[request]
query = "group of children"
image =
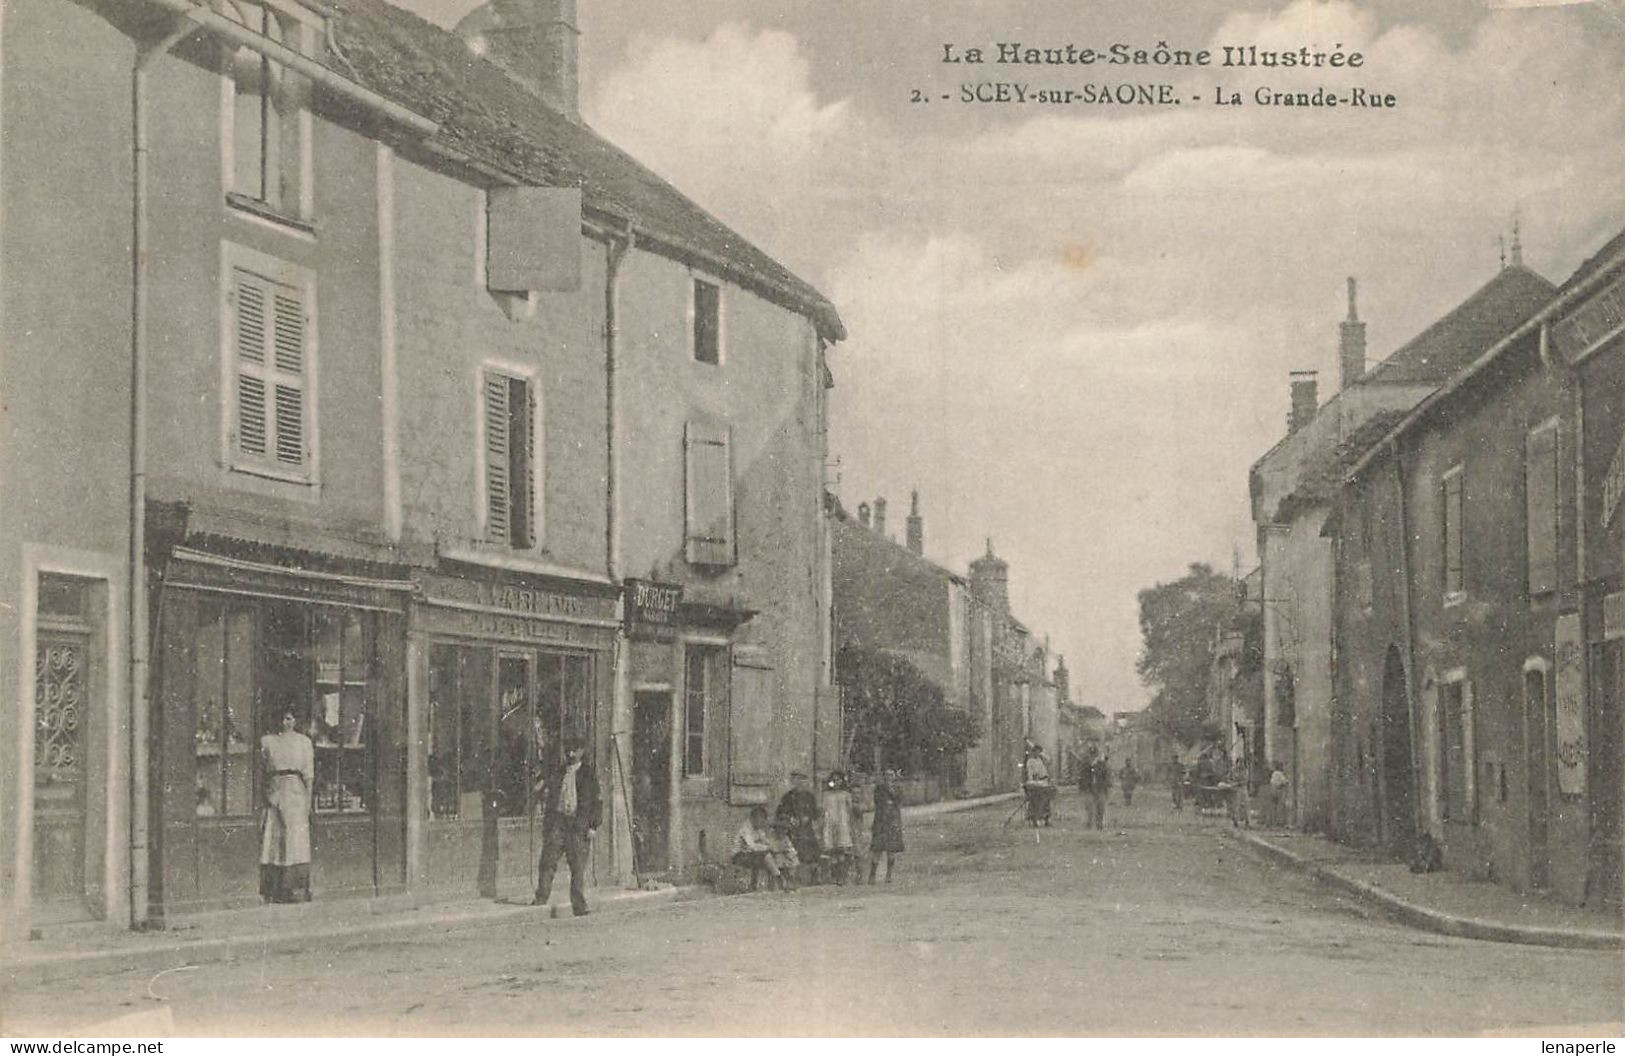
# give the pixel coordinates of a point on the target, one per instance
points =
(819, 832)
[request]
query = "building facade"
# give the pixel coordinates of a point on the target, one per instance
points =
(436, 421)
(1293, 487)
(1476, 556)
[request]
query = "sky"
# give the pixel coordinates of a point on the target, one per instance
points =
(1071, 326)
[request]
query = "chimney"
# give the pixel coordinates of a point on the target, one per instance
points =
(990, 581)
(880, 517)
(535, 42)
(1351, 344)
(863, 514)
(1304, 401)
(916, 524)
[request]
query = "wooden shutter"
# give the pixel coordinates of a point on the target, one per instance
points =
(1454, 579)
(750, 724)
(498, 489)
(521, 463)
(270, 324)
(1540, 509)
(708, 462)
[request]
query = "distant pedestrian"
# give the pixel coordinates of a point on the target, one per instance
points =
(1277, 796)
(886, 832)
(1037, 787)
(1100, 783)
(1240, 803)
(1177, 780)
(1129, 778)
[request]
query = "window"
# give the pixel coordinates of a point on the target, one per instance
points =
(255, 660)
(268, 133)
(269, 325)
(1456, 756)
(1540, 508)
(457, 736)
(1454, 580)
(704, 679)
(708, 505)
(707, 322)
(510, 460)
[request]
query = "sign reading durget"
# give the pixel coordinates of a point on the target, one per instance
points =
(651, 607)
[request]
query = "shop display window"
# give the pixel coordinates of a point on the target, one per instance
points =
(225, 698)
(339, 719)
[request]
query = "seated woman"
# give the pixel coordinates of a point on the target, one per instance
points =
(756, 849)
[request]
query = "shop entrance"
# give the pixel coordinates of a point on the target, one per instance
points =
(1535, 768)
(651, 781)
(61, 726)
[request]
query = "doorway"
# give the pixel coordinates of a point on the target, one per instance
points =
(1398, 781)
(651, 781)
(1534, 750)
(61, 737)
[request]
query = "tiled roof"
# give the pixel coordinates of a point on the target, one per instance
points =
(1596, 261)
(488, 116)
(1323, 476)
(1495, 310)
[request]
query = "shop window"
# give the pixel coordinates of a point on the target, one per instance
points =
(1540, 508)
(269, 313)
(707, 311)
(267, 139)
(1454, 577)
(708, 502)
(1456, 761)
(510, 460)
(225, 694)
(459, 695)
(339, 725)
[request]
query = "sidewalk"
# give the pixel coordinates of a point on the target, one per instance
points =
(1444, 902)
(91, 949)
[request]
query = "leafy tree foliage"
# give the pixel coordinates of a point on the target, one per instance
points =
(1177, 625)
(896, 718)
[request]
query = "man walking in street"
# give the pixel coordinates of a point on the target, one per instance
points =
(571, 813)
(1098, 780)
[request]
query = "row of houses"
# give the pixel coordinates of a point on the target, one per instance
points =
(347, 372)
(958, 632)
(1442, 587)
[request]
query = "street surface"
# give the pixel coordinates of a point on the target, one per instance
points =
(1158, 925)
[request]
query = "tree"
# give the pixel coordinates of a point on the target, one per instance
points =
(1177, 624)
(896, 717)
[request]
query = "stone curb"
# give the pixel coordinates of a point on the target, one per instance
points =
(1433, 919)
(175, 954)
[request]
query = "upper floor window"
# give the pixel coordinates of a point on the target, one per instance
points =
(1454, 578)
(267, 137)
(510, 464)
(269, 322)
(709, 499)
(1540, 507)
(707, 312)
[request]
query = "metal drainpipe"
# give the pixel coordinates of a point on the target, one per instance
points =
(620, 706)
(139, 644)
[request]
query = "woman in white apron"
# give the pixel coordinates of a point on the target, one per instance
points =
(288, 763)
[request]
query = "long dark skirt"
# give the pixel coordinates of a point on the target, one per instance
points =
(285, 883)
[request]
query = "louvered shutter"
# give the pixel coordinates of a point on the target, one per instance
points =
(498, 493)
(523, 470)
(270, 324)
(708, 499)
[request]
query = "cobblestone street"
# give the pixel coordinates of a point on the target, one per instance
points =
(1158, 925)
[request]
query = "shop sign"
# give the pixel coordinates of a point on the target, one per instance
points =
(521, 601)
(493, 625)
(651, 607)
(1570, 717)
(1598, 319)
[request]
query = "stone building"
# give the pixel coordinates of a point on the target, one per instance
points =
(1478, 585)
(1293, 487)
(362, 379)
